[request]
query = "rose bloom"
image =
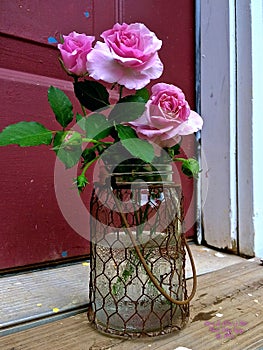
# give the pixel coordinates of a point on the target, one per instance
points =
(128, 56)
(167, 117)
(74, 52)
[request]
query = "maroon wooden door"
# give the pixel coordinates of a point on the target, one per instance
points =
(32, 228)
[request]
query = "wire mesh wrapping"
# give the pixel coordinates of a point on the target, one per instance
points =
(137, 244)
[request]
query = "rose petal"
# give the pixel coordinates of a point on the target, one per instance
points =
(74, 52)
(193, 124)
(131, 59)
(101, 64)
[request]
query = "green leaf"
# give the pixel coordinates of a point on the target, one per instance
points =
(67, 139)
(25, 134)
(125, 132)
(61, 106)
(68, 151)
(173, 151)
(137, 147)
(88, 154)
(143, 93)
(190, 167)
(127, 109)
(132, 98)
(97, 126)
(176, 149)
(91, 94)
(81, 121)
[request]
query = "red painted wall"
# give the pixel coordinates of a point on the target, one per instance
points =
(32, 228)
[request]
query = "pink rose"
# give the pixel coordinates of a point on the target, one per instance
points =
(74, 52)
(128, 56)
(167, 117)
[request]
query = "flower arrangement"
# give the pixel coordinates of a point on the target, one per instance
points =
(146, 126)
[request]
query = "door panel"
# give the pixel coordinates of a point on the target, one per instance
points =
(32, 227)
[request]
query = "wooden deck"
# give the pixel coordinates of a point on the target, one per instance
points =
(227, 313)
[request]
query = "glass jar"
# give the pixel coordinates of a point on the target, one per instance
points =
(137, 246)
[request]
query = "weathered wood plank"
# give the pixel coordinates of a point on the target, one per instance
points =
(235, 293)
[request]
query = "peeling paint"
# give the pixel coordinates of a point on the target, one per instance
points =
(52, 40)
(64, 254)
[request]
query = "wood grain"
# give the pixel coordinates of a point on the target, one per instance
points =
(234, 292)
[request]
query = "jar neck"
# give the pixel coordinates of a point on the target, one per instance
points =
(140, 173)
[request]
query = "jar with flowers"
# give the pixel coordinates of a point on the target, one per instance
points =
(133, 136)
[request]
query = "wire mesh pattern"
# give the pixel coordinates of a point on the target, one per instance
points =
(124, 300)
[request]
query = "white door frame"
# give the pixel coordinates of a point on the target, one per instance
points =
(232, 137)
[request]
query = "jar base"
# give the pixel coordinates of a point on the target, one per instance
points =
(132, 330)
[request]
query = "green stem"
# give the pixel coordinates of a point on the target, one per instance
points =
(179, 159)
(76, 78)
(96, 142)
(66, 70)
(83, 110)
(120, 91)
(88, 165)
